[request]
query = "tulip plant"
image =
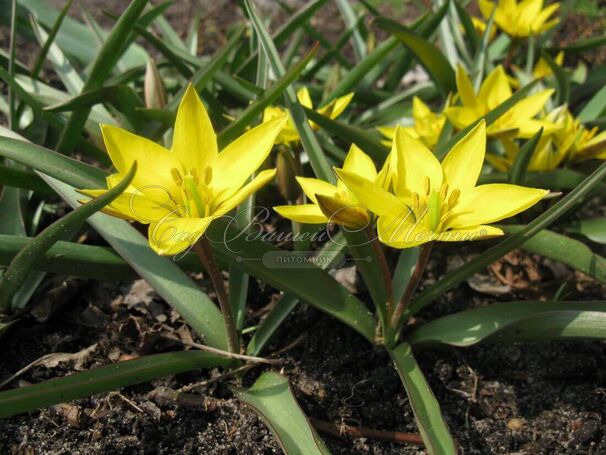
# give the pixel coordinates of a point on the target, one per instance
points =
(500, 148)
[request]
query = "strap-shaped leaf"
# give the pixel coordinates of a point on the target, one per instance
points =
(563, 249)
(479, 324)
(430, 57)
(20, 266)
(271, 398)
(102, 379)
(426, 408)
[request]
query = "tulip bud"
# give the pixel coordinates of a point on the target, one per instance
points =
(342, 212)
(286, 173)
(155, 95)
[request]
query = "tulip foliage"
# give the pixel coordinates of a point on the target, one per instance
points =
(455, 127)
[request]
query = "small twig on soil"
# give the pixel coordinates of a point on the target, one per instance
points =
(26, 368)
(163, 395)
(226, 354)
(361, 432)
(207, 382)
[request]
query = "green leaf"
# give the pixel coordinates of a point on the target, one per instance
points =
(426, 408)
(592, 228)
(470, 31)
(294, 22)
(430, 57)
(543, 320)
(103, 65)
(50, 39)
(72, 259)
(16, 273)
(358, 72)
(489, 118)
(271, 398)
(562, 82)
(582, 45)
(238, 126)
(10, 176)
(310, 143)
(367, 141)
(563, 249)
(255, 257)
(75, 39)
(517, 173)
(109, 377)
(407, 260)
(349, 16)
(595, 107)
(512, 242)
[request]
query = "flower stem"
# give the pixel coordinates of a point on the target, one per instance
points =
(513, 46)
(203, 251)
(412, 284)
(380, 253)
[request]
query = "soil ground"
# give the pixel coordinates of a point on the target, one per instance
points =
(531, 398)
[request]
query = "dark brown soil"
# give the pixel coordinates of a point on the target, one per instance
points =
(534, 398)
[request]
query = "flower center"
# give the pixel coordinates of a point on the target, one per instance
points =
(436, 205)
(198, 197)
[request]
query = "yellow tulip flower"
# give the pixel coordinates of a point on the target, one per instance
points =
(521, 19)
(480, 26)
(580, 142)
(336, 203)
(439, 201)
(542, 69)
(427, 125)
(518, 121)
(178, 192)
(290, 134)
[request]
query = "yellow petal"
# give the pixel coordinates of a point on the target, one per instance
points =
(416, 163)
(371, 196)
(305, 213)
(493, 202)
(236, 162)
(465, 89)
(172, 236)
(403, 231)
(154, 161)
(463, 163)
(388, 131)
(473, 233)
(304, 98)
(236, 198)
(311, 187)
(531, 105)
(500, 163)
(495, 89)
(343, 212)
(360, 163)
(461, 117)
(194, 139)
(336, 107)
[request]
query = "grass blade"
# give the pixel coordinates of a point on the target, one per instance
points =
(310, 143)
(102, 379)
(350, 19)
(517, 173)
(272, 400)
(430, 57)
(104, 63)
(426, 408)
(562, 82)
